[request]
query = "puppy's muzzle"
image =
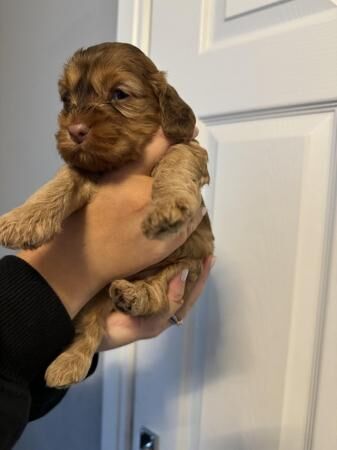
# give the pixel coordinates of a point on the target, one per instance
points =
(78, 132)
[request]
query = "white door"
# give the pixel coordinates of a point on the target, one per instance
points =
(255, 367)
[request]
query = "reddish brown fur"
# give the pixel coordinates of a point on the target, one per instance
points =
(119, 131)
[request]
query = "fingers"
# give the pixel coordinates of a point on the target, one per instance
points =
(122, 329)
(197, 289)
(178, 305)
(195, 133)
(156, 149)
(155, 326)
(193, 224)
(176, 291)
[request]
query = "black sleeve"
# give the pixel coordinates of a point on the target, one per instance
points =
(44, 398)
(34, 329)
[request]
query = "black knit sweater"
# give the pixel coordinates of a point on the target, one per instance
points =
(34, 329)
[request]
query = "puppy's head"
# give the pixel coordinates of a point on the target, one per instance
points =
(114, 99)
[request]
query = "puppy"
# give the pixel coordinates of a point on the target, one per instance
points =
(114, 100)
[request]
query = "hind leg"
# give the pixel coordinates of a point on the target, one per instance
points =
(149, 296)
(73, 364)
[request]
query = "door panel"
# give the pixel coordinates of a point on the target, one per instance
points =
(235, 8)
(244, 17)
(253, 67)
(253, 367)
(271, 210)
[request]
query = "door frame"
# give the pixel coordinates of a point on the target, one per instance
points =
(133, 26)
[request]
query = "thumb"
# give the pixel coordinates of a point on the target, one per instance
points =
(176, 291)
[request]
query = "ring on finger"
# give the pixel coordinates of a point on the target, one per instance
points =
(175, 321)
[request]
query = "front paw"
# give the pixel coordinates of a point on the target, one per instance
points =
(167, 217)
(24, 230)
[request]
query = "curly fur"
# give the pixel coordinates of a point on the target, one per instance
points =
(119, 127)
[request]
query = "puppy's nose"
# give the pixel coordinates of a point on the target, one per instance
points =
(78, 132)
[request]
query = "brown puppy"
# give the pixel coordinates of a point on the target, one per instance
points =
(115, 99)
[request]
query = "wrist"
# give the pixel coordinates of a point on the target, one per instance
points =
(65, 272)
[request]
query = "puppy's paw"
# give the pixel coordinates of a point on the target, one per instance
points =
(138, 298)
(135, 299)
(67, 369)
(12, 234)
(124, 296)
(22, 229)
(167, 217)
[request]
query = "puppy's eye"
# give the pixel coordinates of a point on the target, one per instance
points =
(65, 98)
(66, 101)
(118, 94)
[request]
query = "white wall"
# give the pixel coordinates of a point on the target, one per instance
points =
(36, 37)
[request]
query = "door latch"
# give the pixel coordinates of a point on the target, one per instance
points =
(148, 440)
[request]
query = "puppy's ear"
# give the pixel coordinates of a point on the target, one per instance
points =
(177, 118)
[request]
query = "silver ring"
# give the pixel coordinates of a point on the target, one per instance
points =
(175, 321)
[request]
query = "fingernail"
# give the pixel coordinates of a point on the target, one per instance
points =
(204, 210)
(184, 275)
(213, 261)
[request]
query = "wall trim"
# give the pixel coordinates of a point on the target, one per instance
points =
(134, 23)
(261, 114)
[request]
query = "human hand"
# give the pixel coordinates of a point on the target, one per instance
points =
(104, 241)
(122, 329)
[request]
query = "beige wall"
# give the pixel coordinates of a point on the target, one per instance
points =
(36, 37)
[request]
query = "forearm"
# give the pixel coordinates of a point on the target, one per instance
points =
(67, 267)
(14, 412)
(34, 325)
(34, 329)
(65, 272)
